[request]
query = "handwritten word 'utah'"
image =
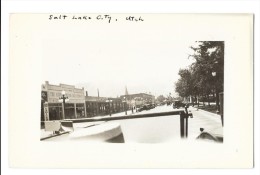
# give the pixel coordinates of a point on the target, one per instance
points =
(132, 18)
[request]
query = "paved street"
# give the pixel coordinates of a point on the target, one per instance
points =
(203, 119)
(157, 129)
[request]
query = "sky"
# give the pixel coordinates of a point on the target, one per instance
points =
(143, 57)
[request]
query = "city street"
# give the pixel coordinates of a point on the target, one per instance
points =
(156, 129)
(145, 90)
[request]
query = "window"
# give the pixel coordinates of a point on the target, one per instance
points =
(51, 94)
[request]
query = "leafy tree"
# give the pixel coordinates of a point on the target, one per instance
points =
(198, 79)
(209, 56)
(184, 84)
(160, 98)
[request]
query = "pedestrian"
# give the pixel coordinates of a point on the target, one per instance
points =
(132, 109)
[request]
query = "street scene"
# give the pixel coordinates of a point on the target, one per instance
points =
(120, 78)
(192, 109)
(130, 90)
(152, 130)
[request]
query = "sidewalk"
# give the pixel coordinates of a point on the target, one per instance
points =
(210, 108)
(203, 119)
(46, 133)
(209, 113)
(49, 134)
(154, 129)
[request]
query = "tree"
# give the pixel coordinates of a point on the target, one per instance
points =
(160, 98)
(198, 80)
(184, 84)
(209, 56)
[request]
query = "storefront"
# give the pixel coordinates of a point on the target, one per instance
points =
(53, 104)
(99, 106)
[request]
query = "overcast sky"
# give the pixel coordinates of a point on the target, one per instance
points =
(144, 57)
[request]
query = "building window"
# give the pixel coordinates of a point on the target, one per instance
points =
(51, 94)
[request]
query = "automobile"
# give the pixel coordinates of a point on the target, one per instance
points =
(215, 135)
(146, 107)
(150, 106)
(142, 108)
(178, 104)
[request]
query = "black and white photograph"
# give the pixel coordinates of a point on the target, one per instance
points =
(159, 89)
(143, 86)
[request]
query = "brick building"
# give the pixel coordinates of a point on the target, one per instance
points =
(52, 106)
(98, 106)
(80, 105)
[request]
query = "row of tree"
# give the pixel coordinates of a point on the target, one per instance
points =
(204, 78)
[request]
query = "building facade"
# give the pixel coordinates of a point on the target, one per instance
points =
(138, 100)
(98, 106)
(52, 105)
(79, 105)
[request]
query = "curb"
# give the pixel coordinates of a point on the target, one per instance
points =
(44, 138)
(216, 115)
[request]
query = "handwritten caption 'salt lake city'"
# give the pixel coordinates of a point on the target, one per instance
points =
(105, 18)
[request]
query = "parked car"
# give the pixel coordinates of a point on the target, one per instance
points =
(215, 135)
(177, 104)
(142, 108)
(146, 107)
(150, 106)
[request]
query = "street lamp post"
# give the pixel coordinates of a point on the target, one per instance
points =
(135, 108)
(135, 104)
(110, 104)
(63, 98)
(108, 101)
(214, 74)
(125, 106)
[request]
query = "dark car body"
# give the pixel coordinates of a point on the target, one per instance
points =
(146, 107)
(215, 135)
(178, 104)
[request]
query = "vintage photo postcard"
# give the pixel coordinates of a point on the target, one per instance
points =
(131, 90)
